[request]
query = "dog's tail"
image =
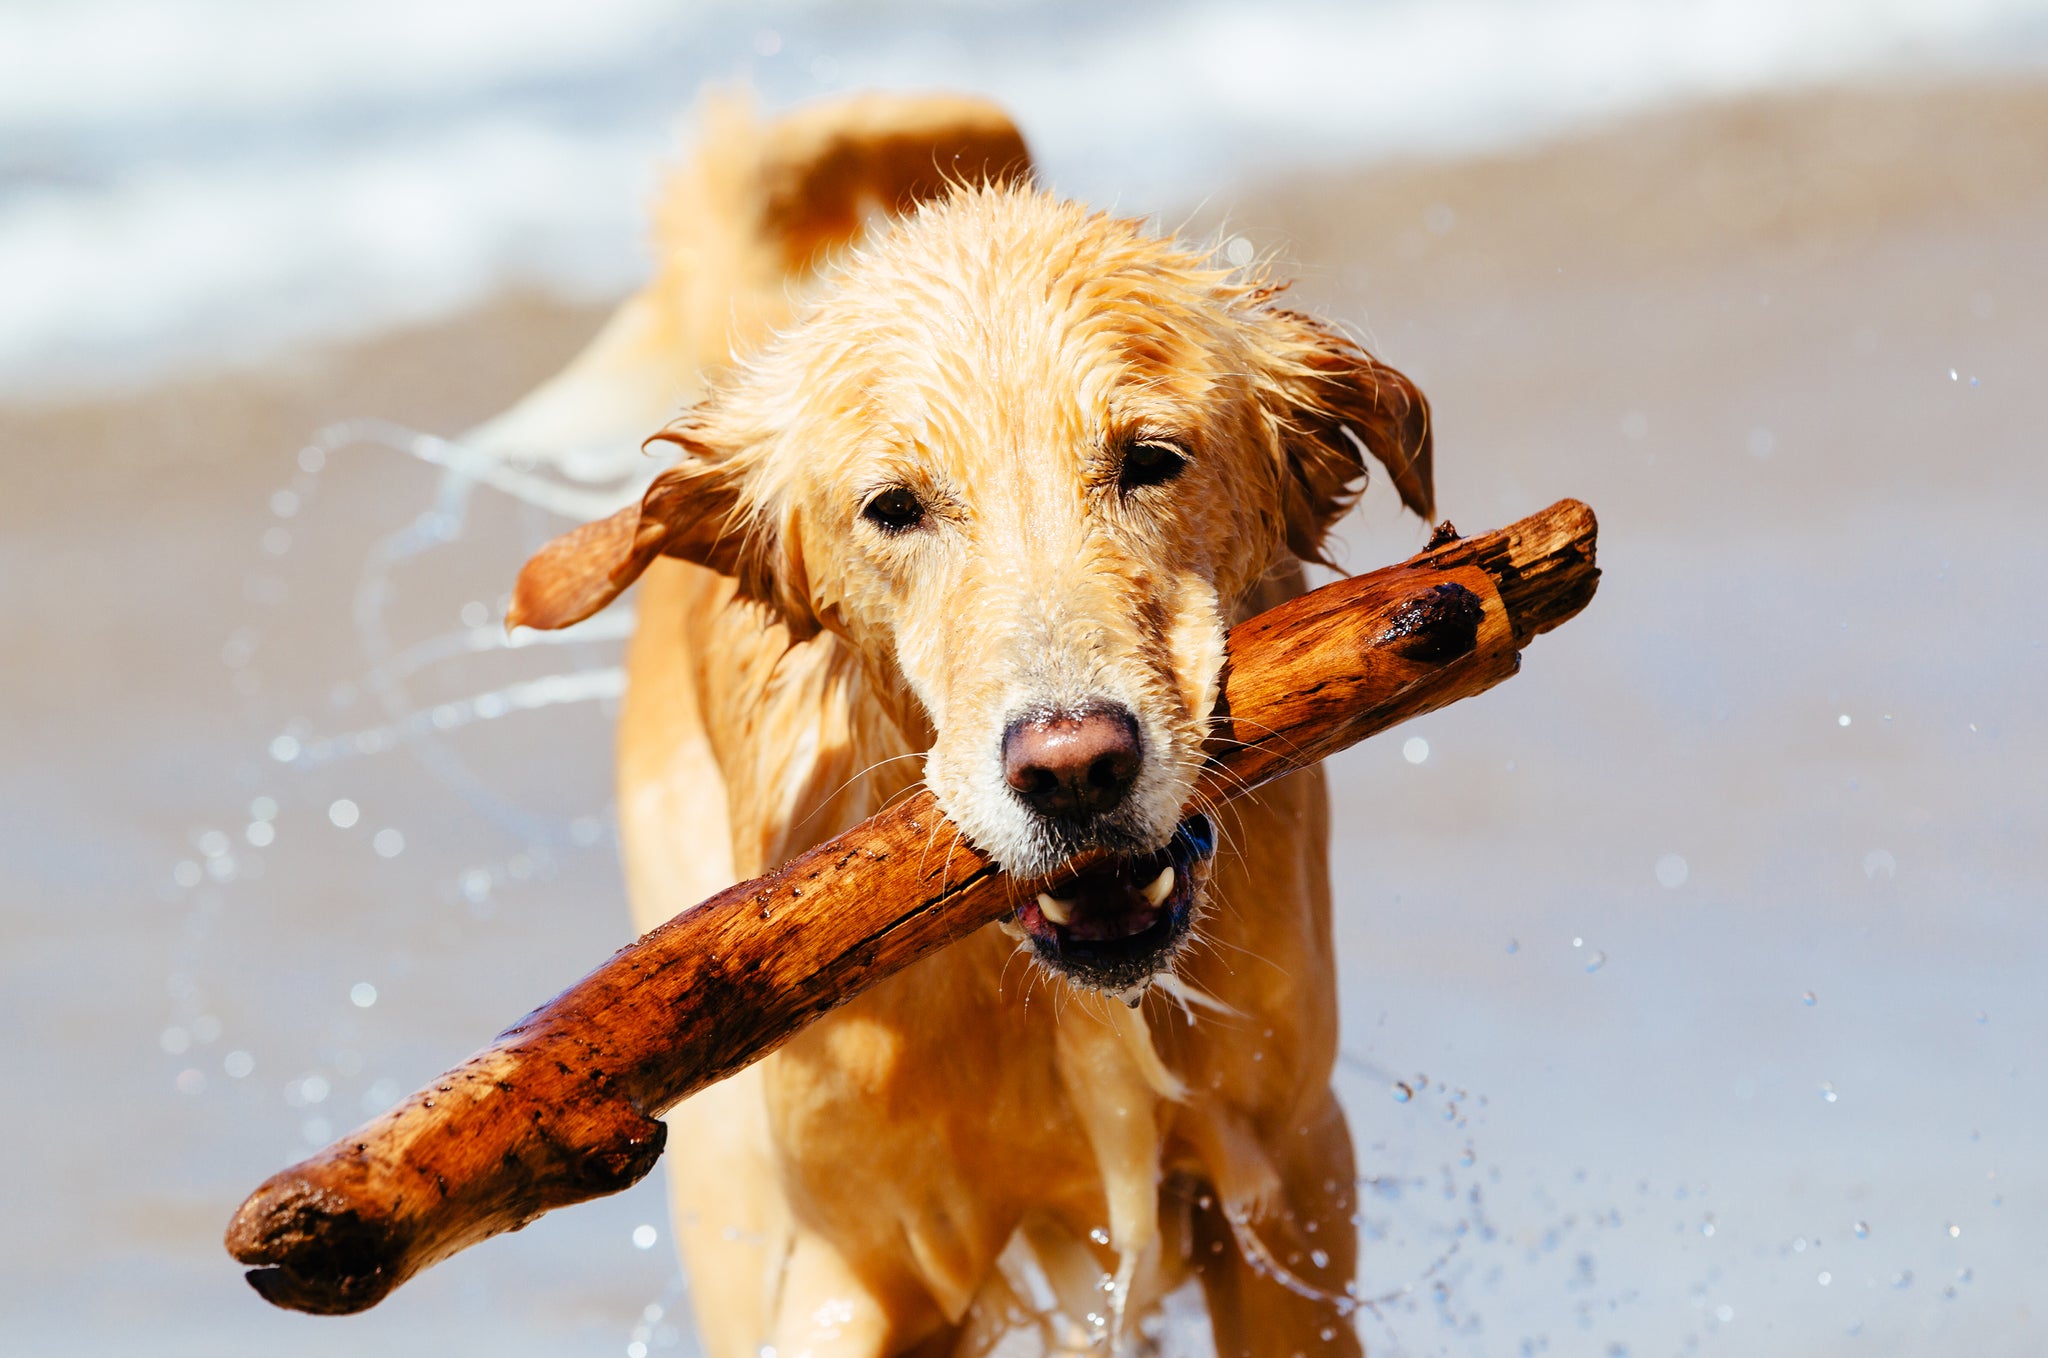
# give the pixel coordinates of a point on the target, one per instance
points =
(740, 229)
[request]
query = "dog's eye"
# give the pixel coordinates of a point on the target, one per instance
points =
(895, 510)
(1148, 464)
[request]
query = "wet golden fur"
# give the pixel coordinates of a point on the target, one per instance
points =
(926, 1167)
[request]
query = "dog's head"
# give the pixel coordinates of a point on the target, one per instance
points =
(1027, 461)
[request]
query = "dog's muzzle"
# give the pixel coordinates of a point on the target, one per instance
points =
(1117, 924)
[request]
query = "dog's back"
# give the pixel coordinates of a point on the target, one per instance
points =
(741, 229)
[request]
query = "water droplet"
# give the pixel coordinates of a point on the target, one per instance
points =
(191, 1081)
(1672, 871)
(1825, 1278)
(260, 834)
(188, 873)
(1842, 720)
(284, 749)
(1954, 1231)
(1402, 1093)
(362, 994)
(1514, 946)
(1099, 1235)
(389, 843)
(1862, 1230)
(343, 813)
(238, 1064)
(1596, 961)
(1879, 863)
(1903, 1280)
(174, 1041)
(1239, 251)
(1415, 749)
(1827, 1090)
(1808, 998)
(644, 1236)
(1319, 1258)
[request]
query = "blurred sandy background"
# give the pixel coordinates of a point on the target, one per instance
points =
(1712, 943)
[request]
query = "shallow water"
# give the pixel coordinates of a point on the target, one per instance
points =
(1783, 779)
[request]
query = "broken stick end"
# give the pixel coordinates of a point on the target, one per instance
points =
(315, 1250)
(323, 1245)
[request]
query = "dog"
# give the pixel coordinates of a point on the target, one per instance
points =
(974, 485)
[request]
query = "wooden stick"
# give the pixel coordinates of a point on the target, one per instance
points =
(564, 1105)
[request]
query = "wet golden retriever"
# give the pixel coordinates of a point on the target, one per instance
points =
(991, 479)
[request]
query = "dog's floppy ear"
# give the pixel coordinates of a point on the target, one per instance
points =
(1340, 404)
(693, 511)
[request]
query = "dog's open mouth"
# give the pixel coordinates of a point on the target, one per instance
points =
(1116, 924)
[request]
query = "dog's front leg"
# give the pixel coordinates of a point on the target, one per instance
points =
(829, 1310)
(731, 1218)
(1276, 1279)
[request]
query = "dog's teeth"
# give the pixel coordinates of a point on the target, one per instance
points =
(1161, 887)
(1010, 926)
(1055, 909)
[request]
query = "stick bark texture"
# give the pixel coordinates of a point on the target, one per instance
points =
(564, 1106)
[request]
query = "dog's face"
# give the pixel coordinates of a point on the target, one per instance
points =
(1026, 461)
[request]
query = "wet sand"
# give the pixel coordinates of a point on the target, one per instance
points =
(1592, 911)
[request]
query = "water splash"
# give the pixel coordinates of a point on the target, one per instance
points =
(573, 484)
(393, 666)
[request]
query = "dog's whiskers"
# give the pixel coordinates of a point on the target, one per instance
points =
(833, 795)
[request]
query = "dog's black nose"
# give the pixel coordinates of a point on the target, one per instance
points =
(1078, 765)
